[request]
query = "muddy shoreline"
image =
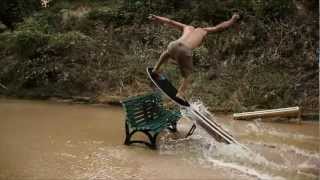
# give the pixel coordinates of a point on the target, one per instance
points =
(116, 101)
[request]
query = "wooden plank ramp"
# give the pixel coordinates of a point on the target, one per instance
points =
(281, 112)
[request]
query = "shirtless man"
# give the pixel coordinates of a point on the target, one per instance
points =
(180, 50)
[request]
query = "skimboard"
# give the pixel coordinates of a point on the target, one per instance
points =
(166, 87)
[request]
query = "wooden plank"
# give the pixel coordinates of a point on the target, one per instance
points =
(286, 112)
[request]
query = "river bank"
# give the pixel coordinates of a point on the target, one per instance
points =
(116, 101)
(100, 50)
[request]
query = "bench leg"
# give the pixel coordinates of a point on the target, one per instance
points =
(152, 138)
(128, 136)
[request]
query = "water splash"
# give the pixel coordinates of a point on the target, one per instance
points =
(257, 128)
(202, 148)
(245, 169)
(198, 105)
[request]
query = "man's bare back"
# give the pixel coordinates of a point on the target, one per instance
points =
(181, 49)
(192, 37)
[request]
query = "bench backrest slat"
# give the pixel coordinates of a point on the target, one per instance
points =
(140, 109)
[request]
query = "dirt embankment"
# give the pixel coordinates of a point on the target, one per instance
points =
(96, 51)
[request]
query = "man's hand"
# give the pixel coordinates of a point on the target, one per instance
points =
(152, 17)
(224, 25)
(235, 17)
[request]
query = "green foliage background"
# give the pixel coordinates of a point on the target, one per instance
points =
(101, 49)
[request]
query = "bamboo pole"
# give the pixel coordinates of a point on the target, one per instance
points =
(286, 112)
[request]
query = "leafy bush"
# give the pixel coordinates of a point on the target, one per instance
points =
(34, 24)
(108, 16)
(272, 9)
(73, 40)
(13, 11)
(28, 43)
(7, 40)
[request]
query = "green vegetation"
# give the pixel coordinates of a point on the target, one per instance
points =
(100, 49)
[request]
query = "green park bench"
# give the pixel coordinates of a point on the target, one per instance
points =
(147, 114)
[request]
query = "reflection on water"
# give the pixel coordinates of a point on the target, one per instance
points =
(46, 140)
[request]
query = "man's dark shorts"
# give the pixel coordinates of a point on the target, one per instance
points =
(183, 55)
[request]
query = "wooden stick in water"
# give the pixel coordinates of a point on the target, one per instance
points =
(291, 111)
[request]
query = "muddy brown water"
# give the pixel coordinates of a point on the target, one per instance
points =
(50, 140)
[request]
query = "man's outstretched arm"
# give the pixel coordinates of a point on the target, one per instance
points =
(224, 25)
(170, 22)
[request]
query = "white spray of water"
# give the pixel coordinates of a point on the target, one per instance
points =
(245, 169)
(257, 128)
(207, 150)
